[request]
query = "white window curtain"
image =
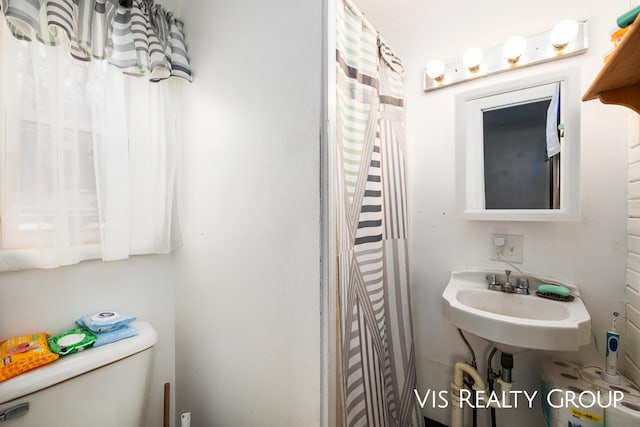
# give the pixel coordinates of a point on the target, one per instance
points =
(88, 159)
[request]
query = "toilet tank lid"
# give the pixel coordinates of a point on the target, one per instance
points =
(77, 364)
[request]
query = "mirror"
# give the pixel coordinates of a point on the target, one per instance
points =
(517, 150)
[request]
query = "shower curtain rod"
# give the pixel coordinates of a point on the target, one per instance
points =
(355, 9)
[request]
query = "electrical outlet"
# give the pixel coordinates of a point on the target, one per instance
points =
(511, 251)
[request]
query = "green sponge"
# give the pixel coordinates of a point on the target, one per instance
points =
(554, 289)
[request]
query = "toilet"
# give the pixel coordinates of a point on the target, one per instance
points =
(99, 387)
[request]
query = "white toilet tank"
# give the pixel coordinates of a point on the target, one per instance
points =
(99, 387)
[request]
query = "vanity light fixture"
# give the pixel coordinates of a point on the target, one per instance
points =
(566, 39)
(563, 33)
(514, 48)
(472, 58)
(435, 70)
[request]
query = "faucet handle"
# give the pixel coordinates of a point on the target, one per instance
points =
(522, 286)
(522, 283)
(494, 283)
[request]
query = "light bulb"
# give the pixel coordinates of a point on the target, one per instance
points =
(471, 59)
(563, 33)
(514, 48)
(435, 70)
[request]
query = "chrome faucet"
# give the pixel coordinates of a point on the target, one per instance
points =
(508, 287)
(521, 286)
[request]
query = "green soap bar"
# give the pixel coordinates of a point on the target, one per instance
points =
(554, 289)
(627, 18)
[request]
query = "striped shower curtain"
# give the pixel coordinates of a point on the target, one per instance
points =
(376, 355)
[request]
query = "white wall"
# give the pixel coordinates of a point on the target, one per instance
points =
(247, 299)
(51, 300)
(590, 253)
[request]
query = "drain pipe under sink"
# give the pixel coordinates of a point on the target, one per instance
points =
(457, 385)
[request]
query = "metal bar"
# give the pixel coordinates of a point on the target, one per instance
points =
(14, 412)
(356, 10)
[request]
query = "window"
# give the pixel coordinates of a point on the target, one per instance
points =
(47, 150)
(87, 159)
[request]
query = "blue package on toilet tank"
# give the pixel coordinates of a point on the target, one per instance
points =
(104, 321)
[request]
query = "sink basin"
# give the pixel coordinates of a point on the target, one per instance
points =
(515, 322)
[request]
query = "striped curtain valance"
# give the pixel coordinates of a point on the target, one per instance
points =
(138, 36)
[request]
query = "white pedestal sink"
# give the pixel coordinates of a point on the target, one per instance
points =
(515, 322)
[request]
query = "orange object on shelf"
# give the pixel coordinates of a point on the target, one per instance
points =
(618, 35)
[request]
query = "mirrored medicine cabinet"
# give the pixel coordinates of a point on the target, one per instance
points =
(518, 150)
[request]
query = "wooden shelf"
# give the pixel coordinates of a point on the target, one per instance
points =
(619, 79)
